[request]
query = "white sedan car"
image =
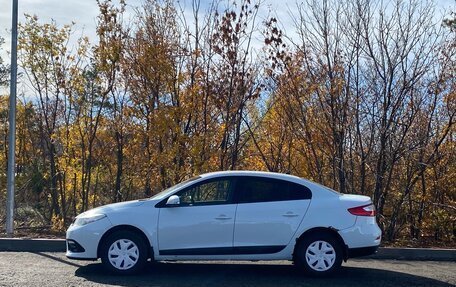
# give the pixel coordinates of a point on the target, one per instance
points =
(236, 215)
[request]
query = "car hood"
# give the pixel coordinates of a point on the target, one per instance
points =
(109, 208)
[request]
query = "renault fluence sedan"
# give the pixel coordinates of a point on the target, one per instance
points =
(236, 215)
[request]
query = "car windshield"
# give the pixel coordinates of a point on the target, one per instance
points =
(171, 189)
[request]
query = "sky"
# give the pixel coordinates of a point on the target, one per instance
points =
(84, 12)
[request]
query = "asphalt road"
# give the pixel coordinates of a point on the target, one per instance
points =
(53, 269)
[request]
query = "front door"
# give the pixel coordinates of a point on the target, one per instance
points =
(203, 222)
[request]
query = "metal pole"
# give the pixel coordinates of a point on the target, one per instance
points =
(12, 127)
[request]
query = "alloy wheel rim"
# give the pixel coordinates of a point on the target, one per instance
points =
(123, 254)
(320, 255)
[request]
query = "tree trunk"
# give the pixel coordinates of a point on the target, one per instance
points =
(119, 167)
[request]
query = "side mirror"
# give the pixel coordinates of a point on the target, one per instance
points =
(173, 200)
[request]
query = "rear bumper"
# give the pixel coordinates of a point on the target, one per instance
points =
(362, 251)
(364, 234)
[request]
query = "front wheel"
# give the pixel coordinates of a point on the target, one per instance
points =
(124, 252)
(318, 254)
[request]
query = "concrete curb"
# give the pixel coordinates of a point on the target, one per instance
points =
(59, 245)
(415, 254)
(32, 245)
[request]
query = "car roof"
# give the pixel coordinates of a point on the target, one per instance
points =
(312, 185)
(251, 173)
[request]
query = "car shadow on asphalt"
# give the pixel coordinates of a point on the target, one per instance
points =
(56, 258)
(239, 274)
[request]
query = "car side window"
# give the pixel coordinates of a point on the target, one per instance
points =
(261, 189)
(298, 191)
(206, 193)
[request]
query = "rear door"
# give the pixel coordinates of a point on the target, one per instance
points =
(268, 214)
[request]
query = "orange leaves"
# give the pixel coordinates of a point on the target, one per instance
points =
(169, 95)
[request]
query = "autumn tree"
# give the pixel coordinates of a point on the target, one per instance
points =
(4, 70)
(45, 57)
(237, 77)
(100, 78)
(150, 72)
(361, 84)
(358, 95)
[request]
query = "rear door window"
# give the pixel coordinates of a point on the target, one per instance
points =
(263, 189)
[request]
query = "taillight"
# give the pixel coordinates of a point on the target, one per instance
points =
(365, 210)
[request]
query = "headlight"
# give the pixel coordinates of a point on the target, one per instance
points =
(86, 219)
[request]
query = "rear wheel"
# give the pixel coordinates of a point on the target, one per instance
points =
(124, 252)
(319, 254)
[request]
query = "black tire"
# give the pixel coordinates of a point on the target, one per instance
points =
(127, 240)
(315, 240)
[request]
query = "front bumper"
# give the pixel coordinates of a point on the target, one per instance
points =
(82, 241)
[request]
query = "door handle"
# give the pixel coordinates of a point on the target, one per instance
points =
(290, 214)
(222, 217)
